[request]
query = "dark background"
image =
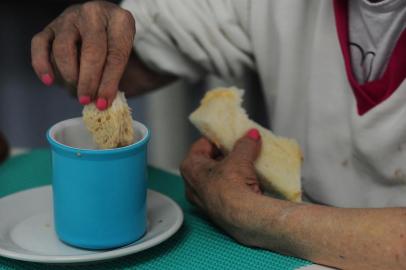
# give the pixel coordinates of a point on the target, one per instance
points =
(28, 108)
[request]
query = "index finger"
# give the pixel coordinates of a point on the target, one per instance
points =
(120, 37)
(198, 158)
(203, 147)
(40, 50)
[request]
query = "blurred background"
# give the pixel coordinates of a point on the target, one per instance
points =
(28, 108)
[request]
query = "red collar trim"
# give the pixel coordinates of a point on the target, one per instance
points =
(372, 93)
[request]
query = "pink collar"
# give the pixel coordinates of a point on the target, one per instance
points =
(372, 93)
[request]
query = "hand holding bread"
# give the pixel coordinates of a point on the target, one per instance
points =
(221, 119)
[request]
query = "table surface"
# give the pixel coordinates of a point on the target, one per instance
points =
(197, 245)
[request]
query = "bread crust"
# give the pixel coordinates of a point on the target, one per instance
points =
(221, 119)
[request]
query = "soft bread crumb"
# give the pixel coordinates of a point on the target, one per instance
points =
(221, 118)
(112, 127)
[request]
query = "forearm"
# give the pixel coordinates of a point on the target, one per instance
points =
(343, 238)
(138, 79)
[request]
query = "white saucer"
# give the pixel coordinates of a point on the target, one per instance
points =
(27, 232)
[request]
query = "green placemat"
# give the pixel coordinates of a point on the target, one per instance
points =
(197, 245)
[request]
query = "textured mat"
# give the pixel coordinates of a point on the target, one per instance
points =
(197, 245)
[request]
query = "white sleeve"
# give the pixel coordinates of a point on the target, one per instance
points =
(190, 38)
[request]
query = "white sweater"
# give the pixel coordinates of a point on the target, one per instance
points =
(351, 159)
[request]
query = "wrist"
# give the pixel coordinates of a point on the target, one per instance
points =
(264, 220)
(240, 216)
(245, 217)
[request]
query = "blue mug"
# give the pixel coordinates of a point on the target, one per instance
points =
(99, 196)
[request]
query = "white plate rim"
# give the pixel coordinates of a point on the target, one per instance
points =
(101, 256)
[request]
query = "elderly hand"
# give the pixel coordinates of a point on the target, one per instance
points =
(227, 190)
(88, 45)
(224, 187)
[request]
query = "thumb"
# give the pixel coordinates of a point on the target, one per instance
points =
(247, 148)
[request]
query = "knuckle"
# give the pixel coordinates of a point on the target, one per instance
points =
(36, 39)
(95, 37)
(65, 23)
(128, 17)
(41, 39)
(67, 18)
(117, 57)
(62, 49)
(122, 14)
(71, 10)
(128, 21)
(90, 8)
(58, 52)
(94, 54)
(132, 23)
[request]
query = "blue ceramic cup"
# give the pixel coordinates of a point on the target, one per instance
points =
(99, 196)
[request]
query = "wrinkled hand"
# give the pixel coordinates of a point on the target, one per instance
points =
(88, 46)
(224, 187)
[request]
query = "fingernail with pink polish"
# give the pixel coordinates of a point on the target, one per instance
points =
(254, 134)
(47, 79)
(101, 104)
(84, 100)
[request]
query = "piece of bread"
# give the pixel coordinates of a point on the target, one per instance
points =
(222, 120)
(112, 127)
